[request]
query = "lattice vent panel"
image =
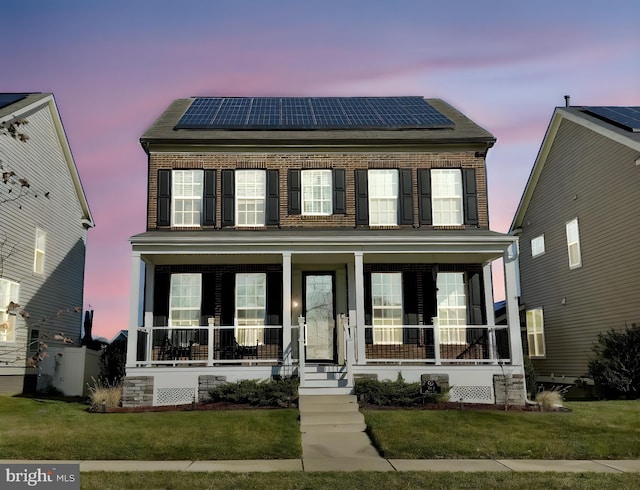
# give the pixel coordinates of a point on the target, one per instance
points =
(174, 396)
(471, 394)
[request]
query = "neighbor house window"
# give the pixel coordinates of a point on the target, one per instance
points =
(573, 244)
(386, 299)
(187, 197)
(38, 257)
(537, 246)
(383, 197)
(184, 300)
(251, 300)
(8, 293)
(535, 332)
(446, 196)
(250, 197)
(317, 188)
(452, 307)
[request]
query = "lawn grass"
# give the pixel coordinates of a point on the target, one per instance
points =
(47, 429)
(357, 480)
(592, 430)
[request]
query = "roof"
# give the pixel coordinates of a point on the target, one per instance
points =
(455, 127)
(606, 121)
(21, 106)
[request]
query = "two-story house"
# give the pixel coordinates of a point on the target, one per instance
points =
(44, 218)
(327, 238)
(576, 221)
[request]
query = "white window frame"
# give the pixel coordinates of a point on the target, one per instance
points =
(382, 191)
(39, 251)
(573, 244)
(250, 201)
(537, 246)
(386, 300)
(185, 296)
(446, 197)
(251, 307)
(452, 308)
(535, 333)
(9, 291)
(186, 198)
(317, 192)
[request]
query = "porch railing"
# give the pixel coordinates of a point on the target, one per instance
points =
(211, 345)
(470, 344)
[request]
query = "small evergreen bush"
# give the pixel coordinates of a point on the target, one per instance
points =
(396, 393)
(617, 364)
(269, 393)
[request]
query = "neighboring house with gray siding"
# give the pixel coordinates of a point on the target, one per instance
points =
(578, 221)
(42, 235)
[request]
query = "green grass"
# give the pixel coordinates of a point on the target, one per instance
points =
(47, 429)
(358, 480)
(592, 430)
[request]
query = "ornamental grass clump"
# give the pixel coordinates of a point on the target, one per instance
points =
(549, 400)
(105, 394)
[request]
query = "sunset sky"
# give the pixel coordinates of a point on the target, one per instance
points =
(115, 65)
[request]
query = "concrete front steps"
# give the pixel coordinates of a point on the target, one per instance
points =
(322, 413)
(325, 380)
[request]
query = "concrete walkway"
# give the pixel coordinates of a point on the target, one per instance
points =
(363, 463)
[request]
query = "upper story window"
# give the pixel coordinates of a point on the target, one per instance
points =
(184, 300)
(537, 246)
(187, 197)
(573, 244)
(446, 196)
(39, 251)
(386, 300)
(535, 332)
(452, 307)
(250, 197)
(316, 192)
(8, 293)
(383, 197)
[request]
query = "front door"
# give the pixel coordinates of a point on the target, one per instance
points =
(319, 313)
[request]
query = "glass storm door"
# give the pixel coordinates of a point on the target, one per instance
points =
(320, 318)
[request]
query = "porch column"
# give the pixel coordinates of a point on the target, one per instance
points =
(512, 309)
(360, 327)
(135, 295)
(286, 308)
(149, 282)
(488, 294)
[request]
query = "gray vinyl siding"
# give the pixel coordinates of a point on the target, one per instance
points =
(592, 178)
(60, 288)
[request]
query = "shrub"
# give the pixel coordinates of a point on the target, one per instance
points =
(396, 393)
(112, 361)
(617, 364)
(270, 393)
(103, 393)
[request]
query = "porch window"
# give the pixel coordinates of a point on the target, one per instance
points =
(8, 293)
(187, 197)
(383, 197)
(316, 192)
(38, 256)
(452, 308)
(535, 332)
(446, 196)
(184, 300)
(251, 188)
(386, 298)
(537, 246)
(251, 300)
(573, 244)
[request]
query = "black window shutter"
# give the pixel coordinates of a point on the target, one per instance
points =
(161, 288)
(476, 303)
(208, 301)
(272, 216)
(424, 196)
(339, 191)
(295, 191)
(228, 190)
(274, 308)
(470, 196)
(430, 293)
(405, 201)
(209, 198)
(368, 309)
(164, 197)
(410, 307)
(362, 198)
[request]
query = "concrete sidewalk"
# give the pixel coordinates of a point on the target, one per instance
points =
(361, 463)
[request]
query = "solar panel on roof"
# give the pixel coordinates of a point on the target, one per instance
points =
(625, 117)
(312, 113)
(8, 99)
